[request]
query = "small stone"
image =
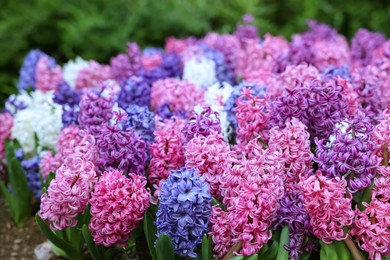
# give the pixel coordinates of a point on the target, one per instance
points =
(14, 254)
(15, 247)
(8, 225)
(43, 251)
(17, 241)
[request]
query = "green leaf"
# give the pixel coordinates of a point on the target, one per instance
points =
(205, 248)
(150, 231)
(330, 250)
(164, 248)
(342, 250)
(210, 246)
(252, 257)
(92, 247)
(305, 256)
(271, 253)
(237, 257)
(284, 240)
(58, 242)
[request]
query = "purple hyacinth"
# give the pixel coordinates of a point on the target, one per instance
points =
(292, 213)
(69, 115)
(94, 112)
(124, 66)
(367, 85)
(349, 153)
(31, 169)
(204, 123)
(134, 91)
(231, 106)
(170, 67)
(119, 149)
(363, 45)
(184, 210)
(319, 107)
(27, 71)
(334, 71)
(141, 120)
(165, 112)
(65, 95)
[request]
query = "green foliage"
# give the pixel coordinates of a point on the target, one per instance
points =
(100, 29)
(19, 198)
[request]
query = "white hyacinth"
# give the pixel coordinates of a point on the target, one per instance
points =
(22, 98)
(200, 71)
(215, 97)
(71, 70)
(41, 119)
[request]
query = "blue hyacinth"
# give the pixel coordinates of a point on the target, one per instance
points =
(184, 210)
(135, 91)
(31, 169)
(142, 121)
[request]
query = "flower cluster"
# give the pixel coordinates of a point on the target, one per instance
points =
(250, 117)
(184, 210)
(117, 206)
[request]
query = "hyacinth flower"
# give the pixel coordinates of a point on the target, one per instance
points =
(124, 66)
(230, 106)
(184, 210)
(142, 121)
(167, 152)
(171, 67)
(252, 117)
(71, 71)
(349, 153)
(48, 75)
(134, 91)
(94, 112)
(363, 45)
(328, 205)
(203, 123)
(90, 76)
(209, 156)
(293, 214)
(251, 194)
(118, 204)
(121, 149)
(180, 94)
(69, 192)
(294, 143)
(27, 72)
(200, 71)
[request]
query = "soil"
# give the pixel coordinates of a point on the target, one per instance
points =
(17, 243)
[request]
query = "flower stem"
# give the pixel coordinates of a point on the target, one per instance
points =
(386, 155)
(235, 247)
(353, 249)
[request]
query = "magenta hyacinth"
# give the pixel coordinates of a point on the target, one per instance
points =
(118, 205)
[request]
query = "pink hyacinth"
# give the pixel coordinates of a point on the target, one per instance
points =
(167, 152)
(69, 192)
(150, 62)
(381, 135)
(328, 205)
(299, 75)
(252, 203)
(47, 77)
(334, 52)
(118, 205)
(177, 46)
(179, 94)
(208, 155)
(7, 122)
(294, 141)
(252, 117)
(69, 138)
(351, 97)
(371, 228)
(91, 76)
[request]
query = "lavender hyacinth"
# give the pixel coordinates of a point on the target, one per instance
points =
(170, 68)
(136, 91)
(184, 210)
(334, 71)
(223, 72)
(142, 121)
(31, 167)
(291, 212)
(69, 115)
(350, 154)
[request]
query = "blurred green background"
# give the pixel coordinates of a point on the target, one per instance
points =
(100, 29)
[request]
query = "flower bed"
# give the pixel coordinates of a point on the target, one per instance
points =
(225, 146)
